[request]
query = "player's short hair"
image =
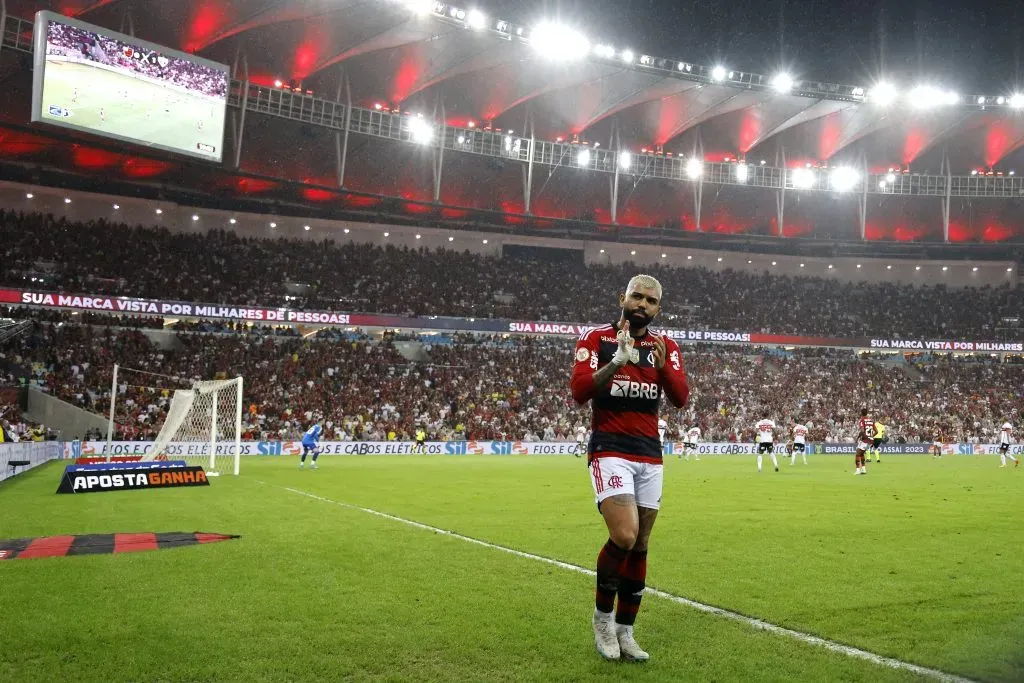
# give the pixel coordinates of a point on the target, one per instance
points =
(644, 281)
(863, 412)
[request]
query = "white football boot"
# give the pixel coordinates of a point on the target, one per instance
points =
(628, 649)
(604, 636)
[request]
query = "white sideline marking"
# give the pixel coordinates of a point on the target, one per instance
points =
(831, 645)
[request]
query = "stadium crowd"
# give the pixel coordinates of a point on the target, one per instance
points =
(508, 388)
(217, 267)
(71, 40)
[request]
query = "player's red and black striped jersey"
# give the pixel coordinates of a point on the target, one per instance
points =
(867, 428)
(625, 411)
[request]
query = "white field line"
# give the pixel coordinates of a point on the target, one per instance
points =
(831, 645)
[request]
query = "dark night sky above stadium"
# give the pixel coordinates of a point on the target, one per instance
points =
(971, 46)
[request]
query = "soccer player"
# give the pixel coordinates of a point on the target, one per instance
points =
(624, 370)
(766, 440)
(937, 442)
(662, 429)
(692, 440)
(421, 441)
(1004, 445)
(877, 441)
(581, 440)
(865, 435)
(799, 442)
(311, 444)
(74, 96)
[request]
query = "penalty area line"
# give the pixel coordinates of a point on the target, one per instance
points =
(758, 624)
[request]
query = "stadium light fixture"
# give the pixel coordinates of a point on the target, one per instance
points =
(559, 43)
(749, 261)
(305, 227)
(625, 160)
(718, 74)
(628, 56)
(378, 106)
(461, 139)
(273, 224)
(604, 51)
(830, 266)
(195, 217)
(803, 178)
(802, 265)
(1013, 173)
(232, 221)
(1017, 101)
(29, 195)
(471, 124)
(419, 236)
(694, 168)
(883, 94)
(719, 259)
(387, 234)
(159, 212)
(116, 207)
(278, 82)
(602, 251)
(775, 263)
(689, 258)
(844, 178)
(888, 267)
(67, 200)
(476, 19)
(1010, 269)
(783, 82)
(632, 252)
(583, 158)
(945, 268)
(742, 170)
(890, 177)
(421, 131)
(485, 241)
(347, 231)
(981, 100)
(917, 267)
(928, 97)
(664, 256)
(881, 185)
(451, 239)
(974, 269)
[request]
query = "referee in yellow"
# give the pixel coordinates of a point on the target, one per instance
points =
(876, 445)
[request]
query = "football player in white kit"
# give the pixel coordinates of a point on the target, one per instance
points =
(692, 440)
(581, 440)
(1004, 445)
(766, 441)
(799, 442)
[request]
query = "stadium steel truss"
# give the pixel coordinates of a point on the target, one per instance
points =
(631, 79)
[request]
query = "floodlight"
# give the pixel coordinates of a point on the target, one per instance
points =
(890, 177)
(718, 74)
(742, 170)
(694, 168)
(927, 96)
(783, 82)
(604, 51)
(29, 195)
(881, 184)
(273, 225)
(1017, 101)
(558, 42)
(67, 200)
(278, 83)
(628, 56)
(583, 158)
(981, 100)
(844, 178)
(159, 212)
(476, 19)
(1000, 100)
(625, 160)
(421, 131)
(882, 94)
(305, 227)
(803, 178)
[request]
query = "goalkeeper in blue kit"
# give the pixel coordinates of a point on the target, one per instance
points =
(311, 444)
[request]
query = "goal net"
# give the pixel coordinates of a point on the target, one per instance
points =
(206, 423)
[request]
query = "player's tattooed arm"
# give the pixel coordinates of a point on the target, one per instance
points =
(604, 375)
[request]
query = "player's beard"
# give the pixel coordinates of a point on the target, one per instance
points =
(637, 319)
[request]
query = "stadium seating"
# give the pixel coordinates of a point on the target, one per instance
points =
(222, 267)
(495, 387)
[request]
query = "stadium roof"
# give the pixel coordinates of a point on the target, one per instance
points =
(397, 56)
(423, 56)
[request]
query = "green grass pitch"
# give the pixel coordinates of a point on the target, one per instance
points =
(922, 560)
(149, 113)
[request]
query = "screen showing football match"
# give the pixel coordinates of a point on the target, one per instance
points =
(94, 80)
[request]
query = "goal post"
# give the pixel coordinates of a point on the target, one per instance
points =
(206, 416)
(202, 419)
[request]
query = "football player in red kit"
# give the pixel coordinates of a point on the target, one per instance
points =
(865, 436)
(623, 370)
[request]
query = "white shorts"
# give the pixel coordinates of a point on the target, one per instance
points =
(617, 476)
(864, 445)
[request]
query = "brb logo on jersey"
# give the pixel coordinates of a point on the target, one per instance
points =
(624, 388)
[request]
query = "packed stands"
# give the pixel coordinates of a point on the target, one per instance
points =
(511, 388)
(223, 267)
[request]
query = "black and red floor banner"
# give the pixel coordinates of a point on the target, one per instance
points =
(102, 544)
